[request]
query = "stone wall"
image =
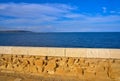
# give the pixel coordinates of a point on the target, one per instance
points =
(95, 69)
(86, 64)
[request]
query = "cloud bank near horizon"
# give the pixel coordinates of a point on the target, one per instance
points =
(49, 17)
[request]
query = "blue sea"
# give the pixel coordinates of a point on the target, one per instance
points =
(72, 40)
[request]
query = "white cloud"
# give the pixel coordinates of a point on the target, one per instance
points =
(52, 17)
(115, 12)
(104, 19)
(33, 10)
(75, 16)
(104, 9)
(112, 12)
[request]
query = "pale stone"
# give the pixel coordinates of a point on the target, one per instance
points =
(25, 62)
(43, 57)
(5, 49)
(76, 52)
(19, 68)
(9, 66)
(39, 62)
(71, 61)
(56, 52)
(115, 53)
(50, 58)
(66, 52)
(33, 69)
(50, 67)
(2, 67)
(89, 75)
(51, 72)
(101, 74)
(18, 79)
(90, 69)
(38, 51)
(40, 69)
(19, 50)
(78, 70)
(31, 61)
(104, 64)
(117, 61)
(99, 68)
(98, 53)
(60, 70)
(115, 70)
(63, 62)
(82, 60)
(84, 65)
(26, 69)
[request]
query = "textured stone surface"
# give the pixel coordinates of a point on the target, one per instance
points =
(51, 66)
(115, 70)
(83, 68)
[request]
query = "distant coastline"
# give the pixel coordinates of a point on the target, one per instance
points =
(12, 31)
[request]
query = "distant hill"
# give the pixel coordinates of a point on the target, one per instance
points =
(12, 31)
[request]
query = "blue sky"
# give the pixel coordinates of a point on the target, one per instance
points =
(60, 15)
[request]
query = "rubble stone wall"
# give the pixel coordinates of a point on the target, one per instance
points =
(83, 68)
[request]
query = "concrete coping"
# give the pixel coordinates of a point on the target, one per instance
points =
(64, 52)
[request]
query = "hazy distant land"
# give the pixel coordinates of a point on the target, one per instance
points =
(12, 31)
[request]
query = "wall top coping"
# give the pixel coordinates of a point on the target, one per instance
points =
(64, 52)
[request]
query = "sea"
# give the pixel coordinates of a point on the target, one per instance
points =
(62, 39)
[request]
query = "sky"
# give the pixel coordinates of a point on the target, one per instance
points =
(60, 15)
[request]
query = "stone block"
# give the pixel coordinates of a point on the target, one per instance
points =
(15, 61)
(78, 70)
(60, 71)
(5, 50)
(90, 69)
(98, 53)
(76, 52)
(38, 51)
(33, 69)
(2, 67)
(115, 70)
(104, 53)
(71, 61)
(84, 65)
(99, 68)
(39, 63)
(102, 74)
(89, 75)
(117, 61)
(56, 52)
(82, 60)
(63, 62)
(31, 61)
(19, 68)
(104, 64)
(43, 57)
(19, 50)
(40, 69)
(10, 66)
(115, 53)
(50, 67)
